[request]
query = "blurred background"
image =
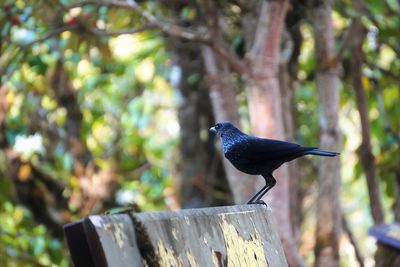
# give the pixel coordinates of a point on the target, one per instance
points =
(107, 104)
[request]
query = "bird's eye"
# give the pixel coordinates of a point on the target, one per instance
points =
(222, 135)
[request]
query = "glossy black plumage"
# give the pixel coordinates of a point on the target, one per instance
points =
(259, 156)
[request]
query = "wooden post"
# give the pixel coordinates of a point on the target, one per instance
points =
(388, 241)
(242, 235)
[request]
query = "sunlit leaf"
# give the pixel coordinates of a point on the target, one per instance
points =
(24, 172)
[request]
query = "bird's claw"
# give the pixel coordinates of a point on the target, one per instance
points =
(259, 201)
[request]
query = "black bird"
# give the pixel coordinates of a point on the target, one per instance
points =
(259, 156)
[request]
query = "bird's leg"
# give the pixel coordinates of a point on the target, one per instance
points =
(269, 183)
(255, 198)
(261, 192)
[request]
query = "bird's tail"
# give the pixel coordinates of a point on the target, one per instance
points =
(323, 153)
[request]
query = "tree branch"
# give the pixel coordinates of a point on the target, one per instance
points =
(164, 26)
(168, 28)
(235, 63)
(374, 66)
(353, 241)
(347, 37)
(365, 150)
(92, 30)
(99, 32)
(212, 19)
(49, 35)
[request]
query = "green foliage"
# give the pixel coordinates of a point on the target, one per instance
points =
(23, 243)
(127, 106)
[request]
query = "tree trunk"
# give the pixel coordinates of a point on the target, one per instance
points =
(365, 150)
(289, 126)
(288, 77)
(353, 241)
(193, 181)
(396, 136)
(6, 191)
(328, 209)
(198, 184)
(397, 200)
(3, 112)
(266, 109)
(67, 98)
(224, 105)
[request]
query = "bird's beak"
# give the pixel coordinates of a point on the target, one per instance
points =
(213, 130)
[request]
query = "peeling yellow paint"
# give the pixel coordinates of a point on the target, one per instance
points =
(191, 259)
(167, 256)
(117, 231)
(242, 252)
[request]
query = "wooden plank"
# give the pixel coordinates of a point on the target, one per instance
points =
(388, 234)
(78, 245)
(116, 240)
(222, 236)
(103, 240)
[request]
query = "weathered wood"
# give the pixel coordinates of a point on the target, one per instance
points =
(223, 236)
(388, 241)
(78, 245)
(387, 234)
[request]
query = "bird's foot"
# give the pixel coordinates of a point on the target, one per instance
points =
(258, 201)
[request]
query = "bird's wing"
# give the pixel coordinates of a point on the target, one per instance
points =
(260, 149)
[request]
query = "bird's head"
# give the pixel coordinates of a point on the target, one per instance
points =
(222, 127)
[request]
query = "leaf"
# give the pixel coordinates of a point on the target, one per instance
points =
(68, 161)
(376, 6)
(393, 5)
(24, 172)
(39, 246)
